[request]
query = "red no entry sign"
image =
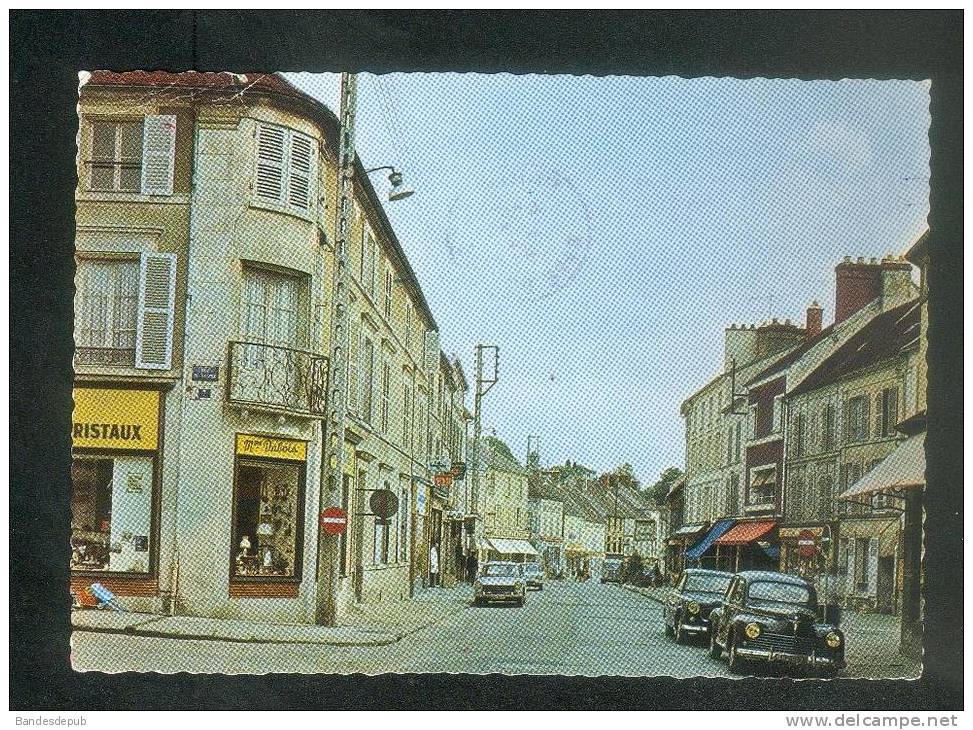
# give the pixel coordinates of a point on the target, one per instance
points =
(334, 520)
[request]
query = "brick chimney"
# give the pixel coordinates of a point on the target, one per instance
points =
(812, 321)
(856, 284)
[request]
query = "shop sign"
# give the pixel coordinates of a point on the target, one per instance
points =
(795, 533)
(458, 470)
(115, 418)
(445, 479)
(269, 447)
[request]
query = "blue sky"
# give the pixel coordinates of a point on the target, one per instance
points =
(604, 231)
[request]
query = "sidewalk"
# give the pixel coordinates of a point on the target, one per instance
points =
(657, 594)
(366, 625)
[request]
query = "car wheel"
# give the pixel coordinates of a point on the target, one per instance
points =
(522, 601)
(735, 660)
(681, 635)
(668, 628)
(715, 650)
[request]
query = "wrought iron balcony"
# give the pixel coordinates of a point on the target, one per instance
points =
(277, 378)
(104, 356)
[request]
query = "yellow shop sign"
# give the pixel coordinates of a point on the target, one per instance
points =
(115, 418)
(269, 447)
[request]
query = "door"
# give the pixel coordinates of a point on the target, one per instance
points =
(885, 602)
(131, 514)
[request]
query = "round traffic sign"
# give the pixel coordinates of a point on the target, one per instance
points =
(384, 503)
(334, 521)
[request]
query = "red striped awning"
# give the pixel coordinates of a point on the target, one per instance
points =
(744, 533)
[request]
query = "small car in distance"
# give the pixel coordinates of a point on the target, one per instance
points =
(687, 608)
(611, 570)
(773, 617)
(534, 575)
(500, 581)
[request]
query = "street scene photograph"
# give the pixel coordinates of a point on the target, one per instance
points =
(499, 374)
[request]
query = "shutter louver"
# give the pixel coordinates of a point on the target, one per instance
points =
(299, 188)
(157, 293)
(270, 164)
(158, 153)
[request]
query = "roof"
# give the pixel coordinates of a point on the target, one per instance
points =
(881, 338)
(540, 485)
(903, 468)
(275, 85)
(789, 358)
(495, 453)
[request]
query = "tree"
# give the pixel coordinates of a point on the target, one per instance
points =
(660, 489)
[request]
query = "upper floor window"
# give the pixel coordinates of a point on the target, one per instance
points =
(369, 261)
(286, 169)
(886, 411)
(856, 418)
(387, 304)
(271, 308)
(133, 155)
(799, 435)
(827, 428)
(763, 485)
(408, 324)
(124, 310)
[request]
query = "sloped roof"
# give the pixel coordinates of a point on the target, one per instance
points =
(540, 485)
(791, 357)
(882, 337)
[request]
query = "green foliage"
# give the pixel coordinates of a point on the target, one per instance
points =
(660, 489)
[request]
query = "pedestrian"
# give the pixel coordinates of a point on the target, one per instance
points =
(471, 566)
(433, 566)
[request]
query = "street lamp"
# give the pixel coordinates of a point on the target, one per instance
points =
(398, 191)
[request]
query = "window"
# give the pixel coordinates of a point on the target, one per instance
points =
(734, 494)
(106, 309)
(408, 324)
(856, 418)
(738, 453)
(369, 255)
(386, 387)
(406, 415)
(286, 169)
(124, 310)
(267, 518)
(825, 489)
(778, 412)
(111, 513)
(367, 378)
(827, 428)
(886, 411)
(271, 308)
(388, 292)
(861, 564)
(763, 485)
(116, 156)
(799, 435)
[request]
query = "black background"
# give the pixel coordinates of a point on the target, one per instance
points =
(48, 48)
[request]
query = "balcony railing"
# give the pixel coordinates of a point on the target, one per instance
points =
(104, 356)
(277, 378)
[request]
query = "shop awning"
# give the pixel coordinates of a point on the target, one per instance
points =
(745, 533)
(718, 529)
(764, 478)
(692, 528)
(904, 468)
(512, 547)
(483, 544)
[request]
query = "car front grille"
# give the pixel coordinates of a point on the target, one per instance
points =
(498, 589)
(783, 643)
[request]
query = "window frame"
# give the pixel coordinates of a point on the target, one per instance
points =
(115, 263)
(283, 204)
(116, 163)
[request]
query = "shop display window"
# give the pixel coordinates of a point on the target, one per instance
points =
(111, 513)
(266, 530)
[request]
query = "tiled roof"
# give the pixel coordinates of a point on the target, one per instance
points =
(782, 363)
(883, 337)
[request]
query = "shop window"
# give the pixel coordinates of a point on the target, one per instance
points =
(267, 504)
(861, 564)
(111, 513)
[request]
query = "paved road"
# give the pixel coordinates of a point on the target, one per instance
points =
(568, 628)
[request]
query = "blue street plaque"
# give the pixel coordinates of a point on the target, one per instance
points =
(206, 373)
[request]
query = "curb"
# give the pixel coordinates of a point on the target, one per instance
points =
(634, 589)
(137, 630)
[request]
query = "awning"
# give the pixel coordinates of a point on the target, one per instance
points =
(697, 550)
(691, 529)
(483, 544)
(512, 547)
(904, 468)
(764, 477)
(745, 533)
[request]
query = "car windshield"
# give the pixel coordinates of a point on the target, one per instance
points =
(780, 592)
(495, 571)
(613, 564)
(532, 568)
(707, 583)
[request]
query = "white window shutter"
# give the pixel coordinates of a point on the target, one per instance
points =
(269, 183)
(301, 171)
(158, 153)
(156, 311)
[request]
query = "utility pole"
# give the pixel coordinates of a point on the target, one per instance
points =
(483, 385)
(332, 431)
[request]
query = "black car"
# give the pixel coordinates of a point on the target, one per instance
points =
(772, 617)
(687, 608)
(611, 570)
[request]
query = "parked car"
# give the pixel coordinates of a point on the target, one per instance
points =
(611, 570)
(500, 581)
(534, 575)
(687, 608)
(772, 617)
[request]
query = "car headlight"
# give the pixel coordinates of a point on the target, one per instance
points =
(692, 607)
(477, 585)
(833, 640)
(752, 630)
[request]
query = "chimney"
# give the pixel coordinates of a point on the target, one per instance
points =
(897, 285)
(856, 284)
(812, 321)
